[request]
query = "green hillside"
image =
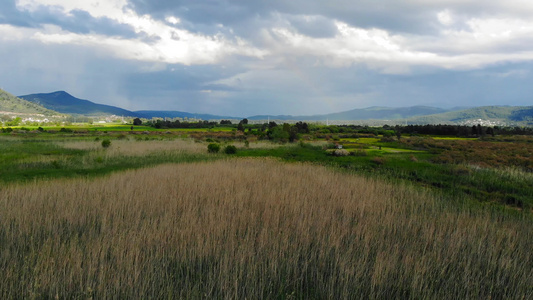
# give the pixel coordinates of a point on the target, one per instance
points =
(510, 115)
(12, 104)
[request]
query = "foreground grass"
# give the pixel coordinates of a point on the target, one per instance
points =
(500, 186)
(254, 228)
(23, 159)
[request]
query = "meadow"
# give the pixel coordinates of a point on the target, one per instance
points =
(157, 216)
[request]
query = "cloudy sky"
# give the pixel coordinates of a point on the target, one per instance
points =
(247, 57)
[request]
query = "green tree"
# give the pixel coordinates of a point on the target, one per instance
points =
(230, 149)
(106, 143)
(278, 134)
(398, 132)
(213, 148)
(14, 122)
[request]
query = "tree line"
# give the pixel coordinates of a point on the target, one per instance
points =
(290, 132)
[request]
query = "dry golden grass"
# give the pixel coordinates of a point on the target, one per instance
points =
(254, 228)
(128, 147)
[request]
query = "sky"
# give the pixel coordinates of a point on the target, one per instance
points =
(250, 57)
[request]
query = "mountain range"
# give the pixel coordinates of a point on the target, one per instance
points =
(65, 103)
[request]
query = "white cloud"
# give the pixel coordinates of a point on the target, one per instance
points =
(12, 33)
(173, 20)
(167, 44)
(278, 49)
(486, 42)
(97, 8)
(477, 43)
(445, 17)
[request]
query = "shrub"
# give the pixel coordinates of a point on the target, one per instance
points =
(106, 143)
(230, 149)
(330, 146)
(378, 160)
(359, 152)
(341, 152)
(213, 148)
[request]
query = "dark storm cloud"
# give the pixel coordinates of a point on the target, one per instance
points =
(366, 14)
(77, 21)
(246, 18)
(192, 78)
(9, 14)
(425, 53)
(82, 22)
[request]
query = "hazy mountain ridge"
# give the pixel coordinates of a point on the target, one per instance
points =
(370, 113)
(522, 115)
(63, 102)
(499, 115)
(12, 104)
(148, 114)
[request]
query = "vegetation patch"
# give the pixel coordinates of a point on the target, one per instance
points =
(256, 228)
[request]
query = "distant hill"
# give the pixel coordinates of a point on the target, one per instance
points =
(519, 115)
(370, 113)
(148, 114)
(501, 115)
(12, 104)
(65, 103)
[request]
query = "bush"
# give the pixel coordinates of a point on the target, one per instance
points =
(378, 160)
(106, 143)
(213, 148)
(230, 149)
(359, 152)
(341, 152)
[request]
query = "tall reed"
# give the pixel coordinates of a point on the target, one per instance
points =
(254, 228)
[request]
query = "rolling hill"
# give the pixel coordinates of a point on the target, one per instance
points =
(511, 115)
(63, 102)
(148, 114)
(11, 104)
(501, 115)
(370, 113)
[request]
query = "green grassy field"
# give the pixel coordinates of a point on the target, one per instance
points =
(51, 156)
(120, 128)
(416, 160)
(157, 216)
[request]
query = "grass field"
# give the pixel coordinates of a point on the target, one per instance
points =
(156, 216)
(23, 159)
(254, 228)
(121, 128)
